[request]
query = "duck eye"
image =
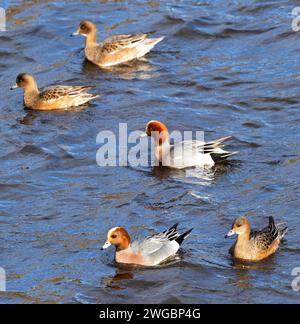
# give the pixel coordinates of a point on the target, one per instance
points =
(83, 27)
(239, 225)
(114, 236)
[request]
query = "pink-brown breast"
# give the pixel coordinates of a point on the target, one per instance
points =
(130, 257)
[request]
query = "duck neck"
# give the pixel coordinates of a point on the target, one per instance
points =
(31, 94)
(243, 239)
(123, 245)
(162, 146)
(91, 39)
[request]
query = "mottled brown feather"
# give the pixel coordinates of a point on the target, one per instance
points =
(116, 49)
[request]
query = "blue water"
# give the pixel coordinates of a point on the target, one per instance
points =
(225, 67)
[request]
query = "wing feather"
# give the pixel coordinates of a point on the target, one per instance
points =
(120, 42)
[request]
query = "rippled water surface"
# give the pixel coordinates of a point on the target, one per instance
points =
(225, 67)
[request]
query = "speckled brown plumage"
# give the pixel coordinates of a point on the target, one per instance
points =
(119, 42)
(57, 92)
(116, 49)
(255, 245)
(54, 97)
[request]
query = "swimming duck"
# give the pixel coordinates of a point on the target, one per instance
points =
(255, 246)
(151, 251)
(185, 154)
(51, 98)
(116, 49)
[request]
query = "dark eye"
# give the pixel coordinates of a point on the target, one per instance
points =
(239, 225)
(114, 236)
(83, 27)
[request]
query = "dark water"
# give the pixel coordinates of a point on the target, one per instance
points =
(226, 67)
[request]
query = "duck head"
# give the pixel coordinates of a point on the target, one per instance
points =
(118, 237)
(239, 227)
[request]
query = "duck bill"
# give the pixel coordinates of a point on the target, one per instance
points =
(105, 246)
(14, 87)
(75, 34)
(230, 233)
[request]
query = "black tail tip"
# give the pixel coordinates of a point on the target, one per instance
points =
(183, 236)
(271, 220)
(174, 227)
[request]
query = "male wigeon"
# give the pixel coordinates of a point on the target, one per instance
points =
(258, 245)
(185, 154)
(151, 251)
(51, 98)
(116, 49)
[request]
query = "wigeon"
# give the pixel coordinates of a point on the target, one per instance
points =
(258, 245)
(151, 251)
(185, 154)
(51, 98)
(116, 49)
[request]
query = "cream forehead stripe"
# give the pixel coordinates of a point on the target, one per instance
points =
(111, 231)
(150, 122)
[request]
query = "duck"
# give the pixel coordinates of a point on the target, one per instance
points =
(51, 98)
(184, 154)
(255, 245)
(114, 50)
(151, 251)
